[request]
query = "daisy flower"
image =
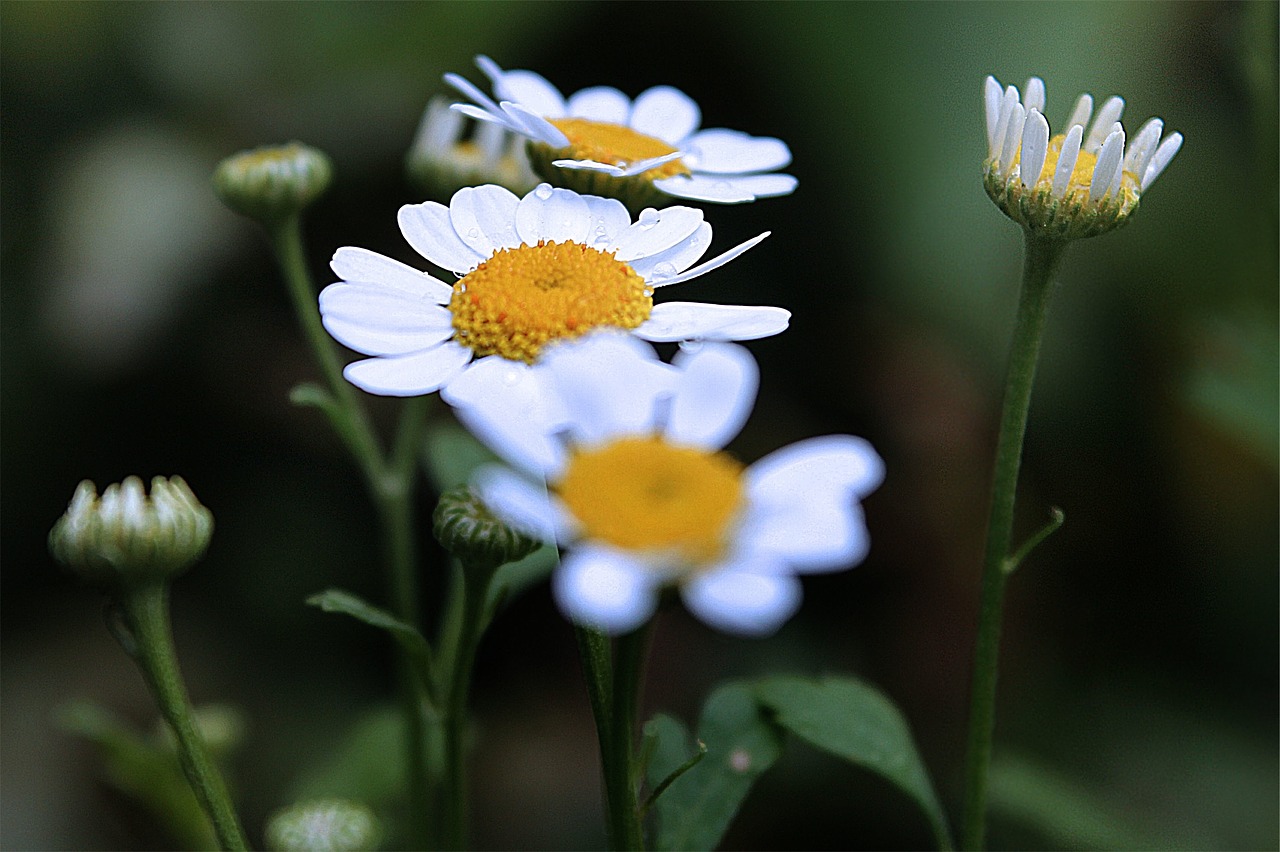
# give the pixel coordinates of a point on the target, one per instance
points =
(551, 265)
(446, 155)
(599, 140)
(1075, 184)
(620, 462)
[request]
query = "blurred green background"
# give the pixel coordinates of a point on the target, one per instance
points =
(145, 331)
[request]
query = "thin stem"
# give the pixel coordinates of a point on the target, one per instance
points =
(613, 686)
(1042, 258)
(146, 613)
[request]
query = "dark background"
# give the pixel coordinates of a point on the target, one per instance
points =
(145, 331)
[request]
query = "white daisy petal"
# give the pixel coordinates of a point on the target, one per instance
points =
(554, 215)
(991, 95)
(765, 186)
(639, 167)
(657, 231)
(378, 320)
(1109, 159)
(713, 188)
(609, 218)
(483, 217)
(1163, 156)
(742, 601)
(1035, 146)
(590, 166)
(409, 375)
(502, 403)
(1143, 147)
(534, 125)
(522, 504)
(657, 268)
(665, 112)
(1108, 114)
(428, 228)
(717, 261)
(609, 385)
(1012, 138)
(605, 588)
(828, 464)
(471, 90)
(1007, 103)
(713, 397)
(358, 265)
(1033, 95)
(672, 322)
(1067, 161)
(531, 90)
(499, 118)
(600, 103)
(732, 152)
(809, 536)
(1082, 111)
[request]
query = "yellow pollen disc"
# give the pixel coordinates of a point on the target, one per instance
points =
(647, 495)
(522, 298)
(1081, 175)
(616, 145)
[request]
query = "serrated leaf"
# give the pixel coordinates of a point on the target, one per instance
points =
(695, 811)
(855, 721)
(415, 646)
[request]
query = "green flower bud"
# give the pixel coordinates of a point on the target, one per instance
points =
(468, 530)
(126, 538)
(272, 182)
(323, 825)
(443, 158)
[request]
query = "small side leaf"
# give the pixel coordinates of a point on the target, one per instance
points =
(855, 721)
(695, 810)
(366, 765)
(415, 646)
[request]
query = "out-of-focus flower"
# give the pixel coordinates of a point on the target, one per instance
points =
(127, 537)
(1076, 184)
(323, 825)
(274, 181)
(444, 157)
(551, 265)
(640, 493)
(598, 140)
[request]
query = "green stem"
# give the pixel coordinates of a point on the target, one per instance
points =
(1042, 258)
(391, 482)
(613, 686)
(146, 612)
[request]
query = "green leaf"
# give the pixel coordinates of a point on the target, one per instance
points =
(696, 809)
(415, 646)
(855, 721)
(367, 765)
(514, 577)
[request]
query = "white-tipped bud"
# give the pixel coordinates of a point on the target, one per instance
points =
(323, 825)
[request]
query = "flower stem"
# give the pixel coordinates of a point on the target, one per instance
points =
(613, 686)
(146, 613)
(391, 481)
(1041, 263)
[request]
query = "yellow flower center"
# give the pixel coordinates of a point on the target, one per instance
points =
(647, 495)
(522, 298)
(616, 145)
(1081, 175)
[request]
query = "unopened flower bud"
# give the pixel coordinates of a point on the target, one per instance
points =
(126, 537)
(468, 530)
(272, 182)
(323, 825)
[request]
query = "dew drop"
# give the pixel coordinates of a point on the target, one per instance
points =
(648, 218)
(543, 191)
(511, 377)
(473, 234)
(662, 272)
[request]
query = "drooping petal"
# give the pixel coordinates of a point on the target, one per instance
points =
(605, 588)
(600, 103)
(665, 112)
(409, 375)
(503, 404)
(672, 322)
(357, 265)
(378, 320)
(554, 215)
(483, 217)
(609, 384)
(721, 151)
(742, 601)
(428, 228)
(715, 262)
(523, 505)
(715, 391)
(656, 231)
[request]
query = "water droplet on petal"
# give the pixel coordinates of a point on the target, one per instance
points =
(511, 377)
(648, 218)
(543, 191)
(687, 345)
(662, 272)
(473, 234)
